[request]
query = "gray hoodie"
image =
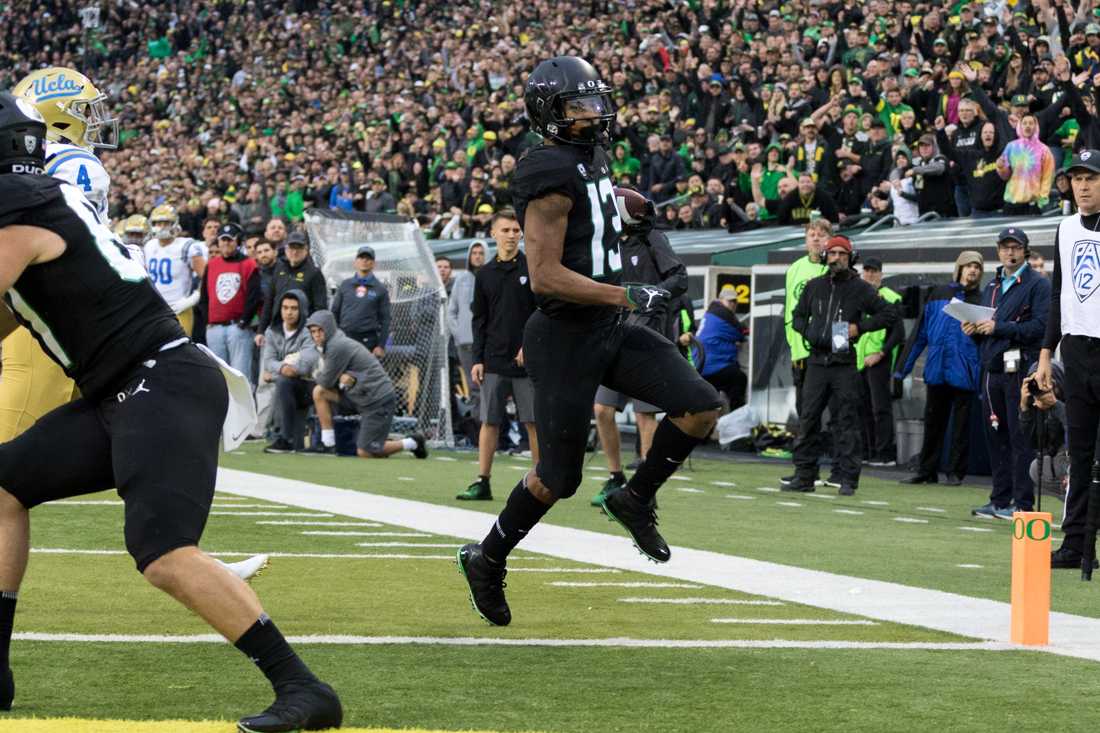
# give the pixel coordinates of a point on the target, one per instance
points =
(459, 315)
(341, 355)
(297, 349)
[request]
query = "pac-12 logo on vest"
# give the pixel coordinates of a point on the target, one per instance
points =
(227, 286)
(1086, 268)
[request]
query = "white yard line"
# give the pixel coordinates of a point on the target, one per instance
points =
(494, 641)
(980, 618)
(794, 621)
(325, 556)
(452, 545)
(910, 520)
(307, 523)
(268, 514)
(628, 584)
(326, 533)
(853, 512)
(702, 601)
(975, 529)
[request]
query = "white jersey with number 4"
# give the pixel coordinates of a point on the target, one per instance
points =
(79, 166)
(170, 266)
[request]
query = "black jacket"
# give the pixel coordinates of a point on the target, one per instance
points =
(305, 277)
(845, 299)
(503, 301)
(649, 259)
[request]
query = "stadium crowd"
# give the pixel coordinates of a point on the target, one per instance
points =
(731, 114)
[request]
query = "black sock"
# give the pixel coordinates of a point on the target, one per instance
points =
(522, 512)
(671, 447)
(265, 645)
(7, 619)
(618, 477)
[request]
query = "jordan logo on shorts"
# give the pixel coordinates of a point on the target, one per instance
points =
(122, 396)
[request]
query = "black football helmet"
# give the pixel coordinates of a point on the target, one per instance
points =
(22, 136)
(557, 90)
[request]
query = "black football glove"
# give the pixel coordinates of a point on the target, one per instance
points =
(646, 298)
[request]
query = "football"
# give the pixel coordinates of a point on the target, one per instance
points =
(633, 206)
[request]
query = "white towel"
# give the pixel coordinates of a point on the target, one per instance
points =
(240, 418)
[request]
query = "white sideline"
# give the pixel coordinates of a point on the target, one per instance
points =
(980, 618)
(702, 601)
(490, 641)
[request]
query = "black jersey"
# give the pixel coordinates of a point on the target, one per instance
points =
(591, 245)
(92, 309)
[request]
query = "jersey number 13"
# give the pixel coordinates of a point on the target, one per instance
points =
(606, 259)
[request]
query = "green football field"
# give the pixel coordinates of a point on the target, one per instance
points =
(379, 610)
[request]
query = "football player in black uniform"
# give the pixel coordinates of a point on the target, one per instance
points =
(148, 423)
(577, 339)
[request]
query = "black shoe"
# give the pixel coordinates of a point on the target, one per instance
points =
(309, 705)
(846, 490)
(640, 520)
(833, 482)
(279, 445)
(950, 480)
(919, 479)
(7, 689)
(486, 585)
(421, 449)
(797, 484)
(319, 449)
(1065, 558)
(634, 465)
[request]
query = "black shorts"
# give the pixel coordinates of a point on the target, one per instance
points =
(155, 440)
(568, 361)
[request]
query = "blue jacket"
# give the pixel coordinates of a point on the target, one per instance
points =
(952, 355)
(719, 333)
(1021, 318)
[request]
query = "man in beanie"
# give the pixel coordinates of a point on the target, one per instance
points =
(951, 372)
(833, 311)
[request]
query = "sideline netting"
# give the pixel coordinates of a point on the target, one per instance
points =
(416, 349)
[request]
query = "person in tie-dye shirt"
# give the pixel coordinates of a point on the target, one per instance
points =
(1028, 166)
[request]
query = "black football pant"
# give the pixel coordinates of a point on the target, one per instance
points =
(826, 386)
(568, 360)
(1010, 451)
(731, 381)
(1081, 358)
(941, 401)
(878, 421)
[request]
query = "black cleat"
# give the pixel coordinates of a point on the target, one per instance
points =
(421, 449)
(304, 705)
(279, 445)
(486, 585)
(640, 520)
(319, 449)
(796, 484)
(1066, 559)
(7, 689)
(920, 479)
(846, 490)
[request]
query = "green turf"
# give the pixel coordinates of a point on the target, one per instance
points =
(872, 545)
(539, 688)
(579, 690)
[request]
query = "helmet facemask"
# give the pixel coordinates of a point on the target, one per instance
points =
(582, 117)
(100, 129)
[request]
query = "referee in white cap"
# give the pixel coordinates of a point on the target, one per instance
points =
(1074, 321)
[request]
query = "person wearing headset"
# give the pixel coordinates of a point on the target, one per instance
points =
(833, 311)
(1009, 344)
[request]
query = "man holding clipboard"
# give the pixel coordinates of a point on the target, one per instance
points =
(1009, 344)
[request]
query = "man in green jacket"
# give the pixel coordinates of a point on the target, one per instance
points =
(798, 274)
(876, 352)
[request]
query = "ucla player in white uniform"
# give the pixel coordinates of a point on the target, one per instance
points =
(174, 264)
(77, 123)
